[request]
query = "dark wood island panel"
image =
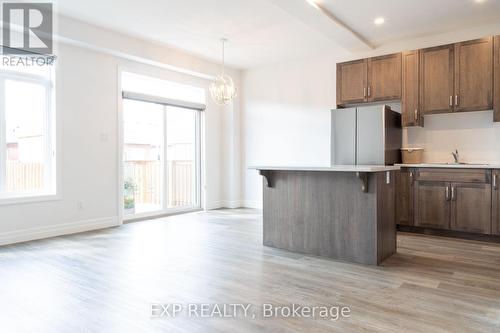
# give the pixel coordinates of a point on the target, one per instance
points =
(328, 214)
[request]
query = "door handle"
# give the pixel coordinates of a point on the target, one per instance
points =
(495, 182)
(364, 92)
(453, 198)
(456, 100)
(415, 114)
(447, 193)
(451, 100)
(369, 91)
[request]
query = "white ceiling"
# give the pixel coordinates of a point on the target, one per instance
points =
(269, 31)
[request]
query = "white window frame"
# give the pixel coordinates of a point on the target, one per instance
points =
(51, 192)
(182, 78)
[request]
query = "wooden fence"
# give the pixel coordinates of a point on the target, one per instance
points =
(180, 181)
(146, 177)
(24, 177)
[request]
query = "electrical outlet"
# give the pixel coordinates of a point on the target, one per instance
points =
(79, 205)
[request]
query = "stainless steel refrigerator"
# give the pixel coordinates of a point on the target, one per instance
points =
(366, 135)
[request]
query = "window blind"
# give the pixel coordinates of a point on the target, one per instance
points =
(163, 101)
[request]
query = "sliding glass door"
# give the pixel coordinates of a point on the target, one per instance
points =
(161, 158)
(182, 150)
(143, 156)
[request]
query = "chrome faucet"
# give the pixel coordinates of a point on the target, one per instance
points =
(455, 156)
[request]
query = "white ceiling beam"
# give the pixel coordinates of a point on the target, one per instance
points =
(340, 23)
(322, 20)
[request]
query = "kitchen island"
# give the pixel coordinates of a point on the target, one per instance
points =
(341, 212)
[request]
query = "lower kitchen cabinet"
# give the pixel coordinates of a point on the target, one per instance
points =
(432, 207)
(496, 203)
(471, 207)
(449, 199)
(404, 197)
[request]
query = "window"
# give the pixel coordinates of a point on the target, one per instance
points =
(161, 146)
(27, 152)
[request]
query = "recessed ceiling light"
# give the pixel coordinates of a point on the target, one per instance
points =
(379, 20)
(480, 1)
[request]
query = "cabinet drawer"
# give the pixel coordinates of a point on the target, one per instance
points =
(455, 175)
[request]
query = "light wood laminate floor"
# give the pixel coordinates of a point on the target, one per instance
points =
(105, 281)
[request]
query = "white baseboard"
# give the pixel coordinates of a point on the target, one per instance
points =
(28, 234)
(224, 204)
(214, 205)
(234, 204)
(253, 204)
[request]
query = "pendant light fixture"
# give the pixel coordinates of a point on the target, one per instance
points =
(222, 89)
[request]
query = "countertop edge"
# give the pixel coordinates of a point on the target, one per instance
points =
(340, 168)
(451, 166)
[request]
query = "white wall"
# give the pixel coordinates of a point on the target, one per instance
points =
(286, 120)
(474, 134)
(89, 60)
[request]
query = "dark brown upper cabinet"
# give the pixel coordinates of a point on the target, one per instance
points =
(474, 75)
(450, 78)
(384, 78)
(437, 79)
(369, 80)
(496, 83)
(457, 77)
(352, 82)
(410, 102)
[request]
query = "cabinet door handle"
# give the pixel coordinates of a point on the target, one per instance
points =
(364, 92)
(415, 114)
(456, 100)
(369, 91)
(453, 198)
(495, 182)
(451, 100)
(447, 193)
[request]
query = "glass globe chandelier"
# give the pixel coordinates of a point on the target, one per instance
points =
(222, 89)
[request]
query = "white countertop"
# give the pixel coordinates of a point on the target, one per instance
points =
(454, 166)
(336, 168)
